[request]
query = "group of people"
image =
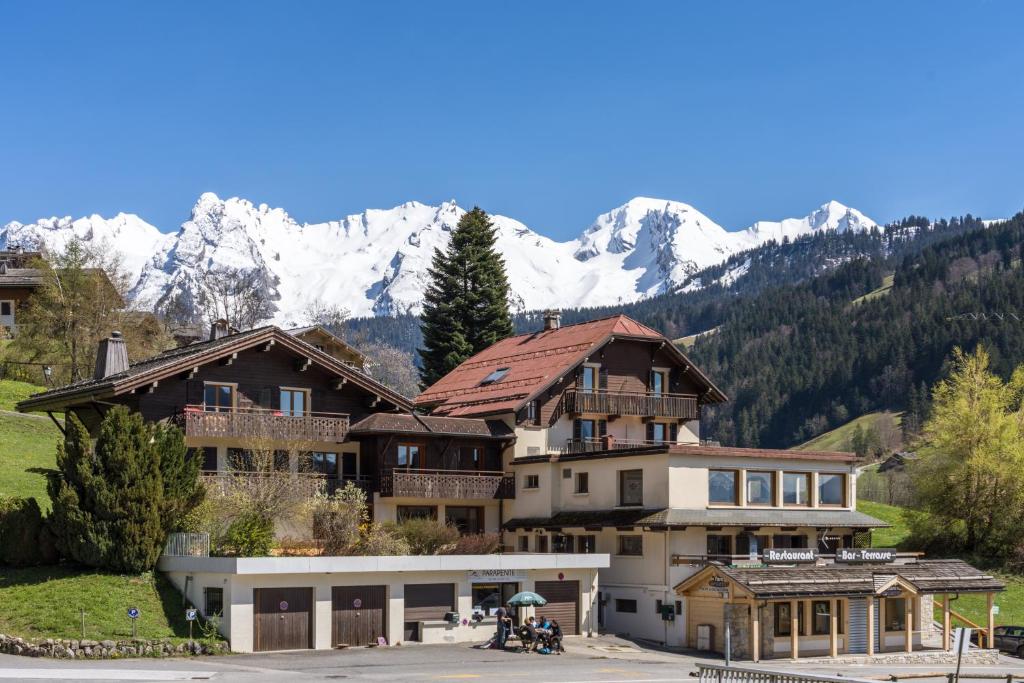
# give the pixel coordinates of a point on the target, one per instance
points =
(537, 635)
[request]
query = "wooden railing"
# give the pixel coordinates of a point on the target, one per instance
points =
(310, 482)
(260, 423)
(473, 484)
(643, 404)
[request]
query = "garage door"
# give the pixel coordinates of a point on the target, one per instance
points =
(563, 604)
(706, 611)
(359, 615)
(426, 602)
(282, 619)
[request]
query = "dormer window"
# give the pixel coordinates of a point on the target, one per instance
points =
(495, 376)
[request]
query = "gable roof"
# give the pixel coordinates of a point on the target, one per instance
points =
(303, 332)
(923, 576)
(175, 361)
(535, 361)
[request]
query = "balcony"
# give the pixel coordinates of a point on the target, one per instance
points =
(641, 404)
(608, 443)
(309, 483)
(471, 484)
(263, 424)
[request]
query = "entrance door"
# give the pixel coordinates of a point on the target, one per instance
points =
(563, 604)
(282, 619)
(359, 615)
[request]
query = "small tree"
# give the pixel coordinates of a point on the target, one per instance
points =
(240, 296)
(108, 499)
(179, 474)
(465, 307)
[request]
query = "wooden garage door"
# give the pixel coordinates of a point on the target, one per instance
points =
(563, 604)
(358, 615)
(282, 619)
(705, 611)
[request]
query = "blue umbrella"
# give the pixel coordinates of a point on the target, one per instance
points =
(527, 599)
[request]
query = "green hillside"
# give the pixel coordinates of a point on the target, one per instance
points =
(881, 291)
(28, 446)
(838, 439)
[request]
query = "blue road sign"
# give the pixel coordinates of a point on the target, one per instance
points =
(133, 613)
(190, 615)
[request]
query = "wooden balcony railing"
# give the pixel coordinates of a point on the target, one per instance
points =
(643, 404)
(309, 482)
(473, 484)
(260, 423)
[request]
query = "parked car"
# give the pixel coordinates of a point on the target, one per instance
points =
(1008, 639)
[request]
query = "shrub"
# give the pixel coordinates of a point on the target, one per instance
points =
(428, 536)
(251, 535)
(380, 539)
(339, 520)
(476, 544)
(24, 538)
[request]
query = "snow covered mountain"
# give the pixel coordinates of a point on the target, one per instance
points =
(375, 262)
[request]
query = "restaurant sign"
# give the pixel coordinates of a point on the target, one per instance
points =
(495, 576)
(865, 555)
(789, 555)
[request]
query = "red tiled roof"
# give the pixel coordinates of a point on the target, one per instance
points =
(728, 451)
(534, 361)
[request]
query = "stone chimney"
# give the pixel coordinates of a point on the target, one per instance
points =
(111, 356)
(552, 319)
(219, 328)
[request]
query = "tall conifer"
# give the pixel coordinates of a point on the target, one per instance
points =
(465, 307)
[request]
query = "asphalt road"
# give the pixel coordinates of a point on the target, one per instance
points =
(601, 660)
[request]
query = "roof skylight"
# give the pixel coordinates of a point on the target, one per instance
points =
(495, 376)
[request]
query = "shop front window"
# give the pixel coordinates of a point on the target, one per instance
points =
(783, 619)
(895, 614)
(759, 488)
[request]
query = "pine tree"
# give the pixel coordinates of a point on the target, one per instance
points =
(179, 474)
(109, 508)
(465, 307)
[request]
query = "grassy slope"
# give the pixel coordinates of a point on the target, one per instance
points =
(838, 439)
(881, 291)
(28, 447)
(44, 602)
(894, 535)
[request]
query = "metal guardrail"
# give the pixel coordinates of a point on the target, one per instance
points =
(183, 544)
(719, 673)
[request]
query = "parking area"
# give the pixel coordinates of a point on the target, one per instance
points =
(592, 660)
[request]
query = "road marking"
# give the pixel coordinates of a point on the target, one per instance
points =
(105, 674)
(447, 676)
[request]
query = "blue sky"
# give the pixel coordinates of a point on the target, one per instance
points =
(547, 112)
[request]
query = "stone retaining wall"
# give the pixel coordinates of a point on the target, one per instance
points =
(105, 649)
(974, 657)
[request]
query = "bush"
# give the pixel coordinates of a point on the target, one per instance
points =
(25, 539)
(381, 539)
(428, 536)
(339, 521)
(251, 535)
(477, 544)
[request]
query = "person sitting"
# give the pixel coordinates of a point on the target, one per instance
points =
(528, 634)
(556, 637)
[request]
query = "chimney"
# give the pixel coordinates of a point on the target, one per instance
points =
(219, 329)
(552, 319)
(3, 267)
(111, 356)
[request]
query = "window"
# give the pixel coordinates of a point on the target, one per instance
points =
(471, 457)
(542, 544)
(659, 382)
(582, 482)
(821, 619)
(895, 614)
(219, 397)
(213, 601)
(783, 619)
(586, 544)
(631, 487)
(325, 463)
(625, 606)
(495, 376)
(587, 429)
(832, 489)
(796, 488)
(631, 545)
(241, 460)
(416, 512)
(723, 487)
(759, 488)
(533, 412)
(659, 432)
(488, 597)
(294, 402)
(531, 481)
(588, 378)
(209, 458)
(789, 541)
(562, 543)
(468, 519)
(5, 308)
(657, 606)
(409, 455)
(719, 544)
(566, 473)
(747, 543)
(523, 544)
(349, 465)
